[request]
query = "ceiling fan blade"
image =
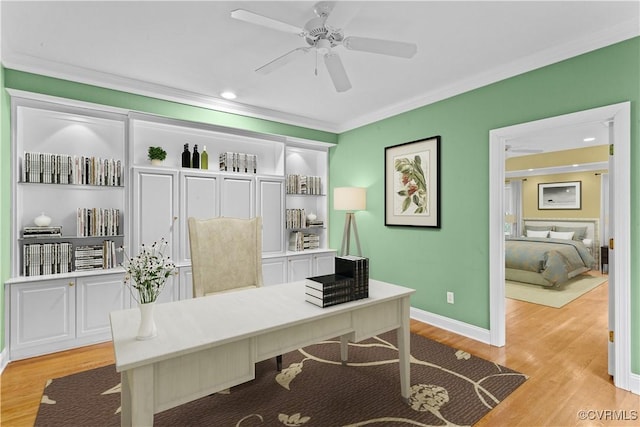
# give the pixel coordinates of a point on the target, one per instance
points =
(283, 60)
(337, 72)
(254, 18)
(343, 12)
(384, 47)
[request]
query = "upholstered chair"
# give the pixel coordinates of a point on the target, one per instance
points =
(226, 255)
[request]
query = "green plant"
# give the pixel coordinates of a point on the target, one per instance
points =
(157, 153)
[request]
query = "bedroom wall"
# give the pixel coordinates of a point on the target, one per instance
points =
(590, 195)
(456, 257)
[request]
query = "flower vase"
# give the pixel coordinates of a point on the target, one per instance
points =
(147, 328)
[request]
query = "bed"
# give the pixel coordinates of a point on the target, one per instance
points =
(551, 252)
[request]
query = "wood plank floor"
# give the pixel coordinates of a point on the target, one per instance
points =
(563, 351)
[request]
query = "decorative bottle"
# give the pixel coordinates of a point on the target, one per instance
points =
(195, 163)
(186, 157)
(204, 158)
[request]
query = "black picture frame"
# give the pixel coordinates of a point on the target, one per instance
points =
(412, 183)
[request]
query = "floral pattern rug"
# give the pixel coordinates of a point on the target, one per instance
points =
(449, 388)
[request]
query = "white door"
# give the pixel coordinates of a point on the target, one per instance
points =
(324, 264)
(271, 209)
(611, 262)
(238, 199)
(300, 267)
(97, 297)
(198, 199)
(274, 270)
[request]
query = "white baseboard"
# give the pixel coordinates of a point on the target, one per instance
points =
(451, 325)
(634, 383)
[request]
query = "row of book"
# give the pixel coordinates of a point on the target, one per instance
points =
(60, 257)
(68, 169)
(46, 258)
(97, 222)
(350, 282)
(297, 218)
(238, 162)
(299, 241)
(303, 184)
(95, 257)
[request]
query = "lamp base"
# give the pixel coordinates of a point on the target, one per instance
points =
(346, 237)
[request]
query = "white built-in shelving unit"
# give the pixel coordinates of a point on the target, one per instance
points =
(52, 312)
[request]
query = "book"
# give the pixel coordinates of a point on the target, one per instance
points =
(357, 268)
(328, 290)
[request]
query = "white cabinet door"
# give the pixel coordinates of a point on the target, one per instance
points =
(42, 317)
(155, 207)
(274, 270)
(324, 263)
(171, 290)
(186, 283)
(271, 209)
(97, 297)
(198, 199)
(237, 199)
(299, 268)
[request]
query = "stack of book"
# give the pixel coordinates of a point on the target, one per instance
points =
(299, 241)
(238, 162)
(356, 268)
(296, 218)
(49, 231)
(328, 290)
(94, 257)
(46, 258)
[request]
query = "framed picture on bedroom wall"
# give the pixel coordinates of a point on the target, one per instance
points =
(560, 195)
(412, 183)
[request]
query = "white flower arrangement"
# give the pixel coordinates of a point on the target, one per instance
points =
(148, 271)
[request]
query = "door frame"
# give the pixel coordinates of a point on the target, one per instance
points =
(620, 116)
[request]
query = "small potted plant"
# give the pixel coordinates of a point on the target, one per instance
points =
(157, 155)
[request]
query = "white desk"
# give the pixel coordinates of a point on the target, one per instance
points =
(208, 344)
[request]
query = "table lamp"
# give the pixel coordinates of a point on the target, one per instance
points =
(350, 199)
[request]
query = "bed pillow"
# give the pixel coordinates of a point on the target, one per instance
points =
(566, 235)
(535, 233)
(579, 233)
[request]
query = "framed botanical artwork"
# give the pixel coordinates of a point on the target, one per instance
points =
(560, 195)
(412, 183)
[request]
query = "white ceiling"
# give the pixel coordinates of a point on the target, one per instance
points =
(191, 51)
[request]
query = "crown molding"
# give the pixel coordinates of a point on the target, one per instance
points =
(615, 34)
(31, 64)
(612, 35)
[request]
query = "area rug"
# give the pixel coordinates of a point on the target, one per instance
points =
(553, 297)
(449, 387)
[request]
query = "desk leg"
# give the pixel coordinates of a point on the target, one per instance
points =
(344, 349)
(404, 350)
(137, 397)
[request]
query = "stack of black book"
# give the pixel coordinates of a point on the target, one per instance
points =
(328, 290)
(357, 268)
(349, 283)
(48, 231)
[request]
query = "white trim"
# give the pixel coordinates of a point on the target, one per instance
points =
(585, 167)
(67, 102)
(621, 116)
(635, 383)
(623, 31)
(451, 325)
(4, 359)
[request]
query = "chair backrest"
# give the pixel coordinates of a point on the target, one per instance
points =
(226, 254)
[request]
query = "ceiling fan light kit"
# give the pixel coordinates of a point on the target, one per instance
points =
(324, 32)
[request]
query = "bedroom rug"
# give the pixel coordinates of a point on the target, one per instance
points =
(553, 297)
(449, 387)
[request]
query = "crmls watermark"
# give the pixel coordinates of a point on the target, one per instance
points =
(608, 415)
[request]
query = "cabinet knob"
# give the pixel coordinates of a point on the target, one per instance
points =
(71, 283)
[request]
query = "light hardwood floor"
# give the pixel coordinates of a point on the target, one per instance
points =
(563, 351)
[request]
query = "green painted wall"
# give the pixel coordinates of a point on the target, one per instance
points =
(456, 257)
(66, 89)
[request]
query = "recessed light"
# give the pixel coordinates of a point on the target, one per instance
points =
(589, 139)
(575, 165)
(227, 94)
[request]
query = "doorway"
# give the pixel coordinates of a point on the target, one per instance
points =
(619, 115)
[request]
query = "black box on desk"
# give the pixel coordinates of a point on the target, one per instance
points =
(357, 268)
(328, 290)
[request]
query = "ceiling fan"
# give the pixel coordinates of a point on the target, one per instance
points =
(323, 33)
